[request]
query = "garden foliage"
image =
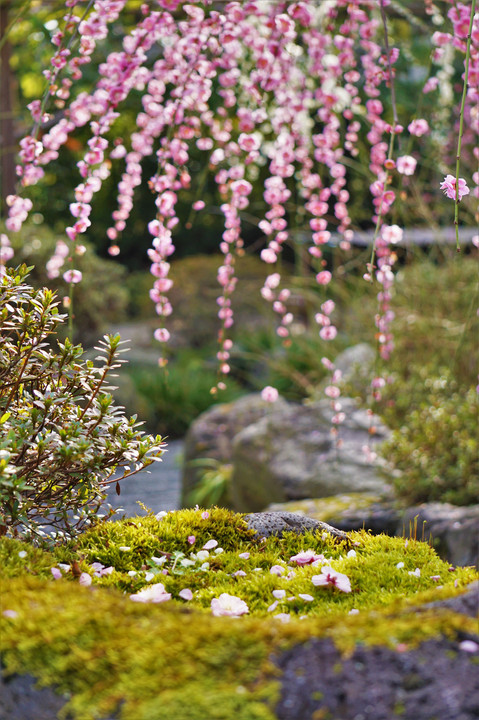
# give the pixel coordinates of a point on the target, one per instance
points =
(61, 437)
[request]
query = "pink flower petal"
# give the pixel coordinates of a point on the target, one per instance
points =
(186, 594)
(210, 544)
(228, 605)
(154, 594)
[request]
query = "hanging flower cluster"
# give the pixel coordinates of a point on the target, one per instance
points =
(278, 87)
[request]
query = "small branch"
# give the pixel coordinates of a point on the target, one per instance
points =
(461, 122)
(391, 76)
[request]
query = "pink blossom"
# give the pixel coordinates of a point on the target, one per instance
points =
(332, 577)
(306, 557)
(406, 164)
(161, 334)
(85, 579)
(56, 573)
(72, 276)
(244, 555)
(205, 515)
(268, 256)
(306, 597)
(191, 539)
(418, 127)
(328, 332)
(279, 594)
(323, 277)
(154, 594)
(229, 605)
(276, 570)
(449, 187)
(12, 614)
(186, 594)
(269, 394)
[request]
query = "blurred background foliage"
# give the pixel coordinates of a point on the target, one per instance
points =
(25, 55)
(427, 402)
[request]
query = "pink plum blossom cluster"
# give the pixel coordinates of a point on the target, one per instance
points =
(276, 87)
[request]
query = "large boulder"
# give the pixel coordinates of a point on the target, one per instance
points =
(213, 432)
(291, 454)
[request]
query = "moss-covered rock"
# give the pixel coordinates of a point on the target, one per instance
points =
(111, 656)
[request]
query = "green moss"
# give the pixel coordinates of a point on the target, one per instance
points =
(156, 662)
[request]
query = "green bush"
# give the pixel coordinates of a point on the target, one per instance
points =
(175, 397)
(61, 436)
(98, 301)
(437, 448)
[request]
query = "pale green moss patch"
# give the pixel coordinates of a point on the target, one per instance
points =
(330, 508)
(175, 659)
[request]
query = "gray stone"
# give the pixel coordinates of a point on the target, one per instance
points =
(357, 360)
(277, 523)
(454, 529)
(436, 679)
(213, 432)
(291, 454)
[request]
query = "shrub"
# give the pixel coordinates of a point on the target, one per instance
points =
(437, 448)
(61, 436)
(99, 300)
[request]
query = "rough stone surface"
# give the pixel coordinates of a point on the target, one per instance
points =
(212, 434)
(276, 523)
(291, 454)
(465, 604)
(454, 529)
(20, 699)
(436, 681)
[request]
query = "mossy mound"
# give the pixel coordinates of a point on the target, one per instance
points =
(174, 659)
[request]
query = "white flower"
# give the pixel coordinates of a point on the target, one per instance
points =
(228, 605)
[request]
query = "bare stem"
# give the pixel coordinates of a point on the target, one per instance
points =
(461, 123)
